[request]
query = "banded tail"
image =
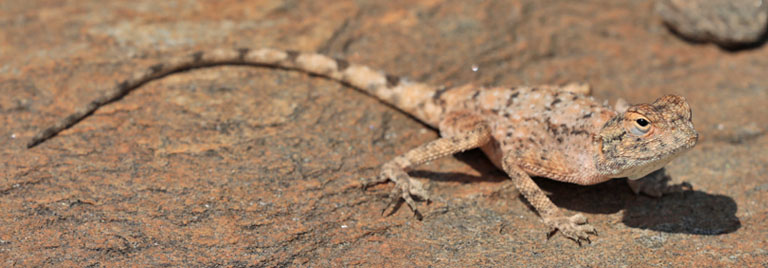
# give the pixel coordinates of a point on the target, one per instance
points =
(415, 99)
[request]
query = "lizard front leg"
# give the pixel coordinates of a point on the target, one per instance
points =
(462, 131)
(574, 227)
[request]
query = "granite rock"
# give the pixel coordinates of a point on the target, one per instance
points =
(729, 23)
(237, 166)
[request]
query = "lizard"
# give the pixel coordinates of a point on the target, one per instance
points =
(557, 132)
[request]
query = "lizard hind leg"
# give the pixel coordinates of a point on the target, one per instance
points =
(461, 130)
(574, 227)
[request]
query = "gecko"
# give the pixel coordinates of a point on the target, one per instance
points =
(557, 132)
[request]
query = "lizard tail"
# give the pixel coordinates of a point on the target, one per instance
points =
(416, 99)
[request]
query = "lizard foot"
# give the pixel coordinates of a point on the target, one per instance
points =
(657, 184)
(405, 187)
(574, 227)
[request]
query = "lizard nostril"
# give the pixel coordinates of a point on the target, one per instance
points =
(694, 138)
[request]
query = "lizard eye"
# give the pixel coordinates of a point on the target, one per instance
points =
(641, 126)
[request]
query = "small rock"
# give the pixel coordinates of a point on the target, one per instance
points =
(728, 23)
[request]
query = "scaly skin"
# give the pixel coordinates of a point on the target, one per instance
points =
(556, 132)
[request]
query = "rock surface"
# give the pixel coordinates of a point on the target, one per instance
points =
(239, 166)
(729, 23)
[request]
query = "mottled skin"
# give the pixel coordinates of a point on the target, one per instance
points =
(548, 131)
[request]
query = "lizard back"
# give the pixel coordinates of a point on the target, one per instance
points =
(550, 130)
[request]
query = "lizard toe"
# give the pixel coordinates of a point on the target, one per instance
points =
(405, 189)
(677, 188)
(415, 188)
(368, 182)
(573, 227)
(411, 204)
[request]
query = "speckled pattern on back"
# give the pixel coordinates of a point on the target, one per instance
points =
(546, 128)
(559, 132)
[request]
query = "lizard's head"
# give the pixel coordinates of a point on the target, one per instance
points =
(646, 137)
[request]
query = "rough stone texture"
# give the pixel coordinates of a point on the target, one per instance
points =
(240, 166)
(729, 23)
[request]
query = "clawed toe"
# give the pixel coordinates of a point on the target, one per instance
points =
(574, 227)
(685, 186)
(405, 189)
(368, 182)
(678, 188)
